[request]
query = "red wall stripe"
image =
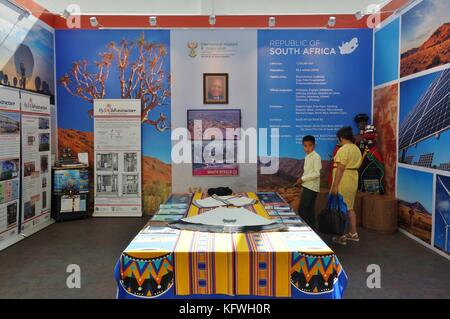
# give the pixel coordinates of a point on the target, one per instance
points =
(38, 11)
(229, 21)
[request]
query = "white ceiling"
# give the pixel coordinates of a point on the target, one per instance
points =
(217, 7)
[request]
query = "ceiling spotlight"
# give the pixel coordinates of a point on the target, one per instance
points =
(93, 21)
(272, 21)
(331, 21)
(23, 15)
(212, 19)
(373, 9)
(152, 21)
(65, 14)
(358, 15)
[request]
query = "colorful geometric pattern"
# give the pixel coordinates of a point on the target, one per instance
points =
(314, 274)
(204, 264)
(262, 268)
(242, 264)
(150, 277)
(231, 264)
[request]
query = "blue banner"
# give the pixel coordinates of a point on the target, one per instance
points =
(313, 82)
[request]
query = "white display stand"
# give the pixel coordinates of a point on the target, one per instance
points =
(9, 166)
(117, 158)
(36, 162)
(10, 241)
(44, 222)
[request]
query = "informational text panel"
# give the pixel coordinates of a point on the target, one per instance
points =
(117, 151)
(9, 164)
(36, 161)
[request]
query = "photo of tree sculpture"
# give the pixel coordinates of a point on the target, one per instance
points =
(141, 75)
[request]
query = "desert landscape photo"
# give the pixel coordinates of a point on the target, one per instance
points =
(290, 169)
(414, 218)
(415, 202)
(425, 41)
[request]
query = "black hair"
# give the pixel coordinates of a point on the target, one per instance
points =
(361, 117)
(346, 132)
(309, 138)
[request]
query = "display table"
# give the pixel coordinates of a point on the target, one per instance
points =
(162, 262)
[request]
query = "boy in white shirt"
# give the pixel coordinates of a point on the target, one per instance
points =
(310, 181)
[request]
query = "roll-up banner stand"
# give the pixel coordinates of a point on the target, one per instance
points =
(9, 166)
(36, 162)
(117, 151)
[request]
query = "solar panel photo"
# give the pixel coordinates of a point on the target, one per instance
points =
(430, 116)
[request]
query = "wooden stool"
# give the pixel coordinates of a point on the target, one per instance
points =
(358, 207)
(380, 213)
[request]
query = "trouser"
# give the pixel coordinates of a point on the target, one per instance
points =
(307, 205)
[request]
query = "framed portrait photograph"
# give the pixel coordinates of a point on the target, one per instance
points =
(215, 88)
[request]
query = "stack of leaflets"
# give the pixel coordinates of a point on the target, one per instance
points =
(272, 212)
(183, 198)
(276, 206)
(286, 213)
(292, 220)
(158, 230)
(174, 208)
(166, 218)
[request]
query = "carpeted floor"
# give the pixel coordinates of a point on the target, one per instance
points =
(36, 266)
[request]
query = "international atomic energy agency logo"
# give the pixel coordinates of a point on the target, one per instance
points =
(348, 47)
(192, 46)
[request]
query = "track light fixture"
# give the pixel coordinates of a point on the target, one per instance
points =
(331, 21)
(93, 21)
(152, 21)
(212, 20)
(65, 14)
(358, 15)
(272, 22)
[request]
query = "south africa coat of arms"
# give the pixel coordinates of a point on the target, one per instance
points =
(192, 46)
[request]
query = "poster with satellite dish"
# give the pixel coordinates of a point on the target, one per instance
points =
(27, 54)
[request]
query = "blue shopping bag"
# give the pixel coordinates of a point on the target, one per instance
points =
(337, 202)
(334, 217)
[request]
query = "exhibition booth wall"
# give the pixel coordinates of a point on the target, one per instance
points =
(386, 73)
(27, 122)
(411, 112)
(265, 90)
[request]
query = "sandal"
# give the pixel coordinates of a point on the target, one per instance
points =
(341, 240)
(352, 237)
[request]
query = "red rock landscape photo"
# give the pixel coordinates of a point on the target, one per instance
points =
(414, 218)
(385, 109)
(433, 52)
(290, 169)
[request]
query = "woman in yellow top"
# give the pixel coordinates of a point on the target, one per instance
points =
(345, 179)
